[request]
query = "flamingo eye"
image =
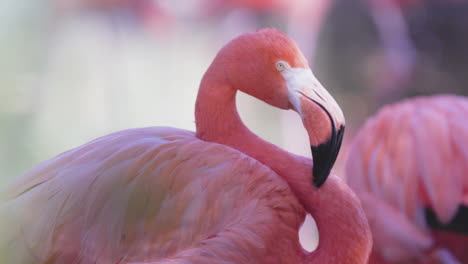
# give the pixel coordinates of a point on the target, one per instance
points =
(282, 65)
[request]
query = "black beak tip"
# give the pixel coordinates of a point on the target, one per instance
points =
(324, 156)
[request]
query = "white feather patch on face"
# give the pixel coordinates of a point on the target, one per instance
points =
(296, 78)
(300, 82)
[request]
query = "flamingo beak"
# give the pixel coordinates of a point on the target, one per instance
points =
(321, 116)
(325, 155)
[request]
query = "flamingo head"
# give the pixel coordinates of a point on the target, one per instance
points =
(274, 70)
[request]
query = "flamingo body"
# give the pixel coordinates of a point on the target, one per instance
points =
(409, 159)
(152, 194)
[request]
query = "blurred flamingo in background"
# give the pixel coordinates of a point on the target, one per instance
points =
(150, 14)
(220, 195)
(397, 56)
(409, 164)
(302, 18)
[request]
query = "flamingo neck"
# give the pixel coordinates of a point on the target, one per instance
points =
(217, 120)
(344, 234)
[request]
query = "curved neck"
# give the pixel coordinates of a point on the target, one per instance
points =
(344, 234)
(217, 120)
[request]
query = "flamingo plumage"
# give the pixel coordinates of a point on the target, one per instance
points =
(409, 164)
(219, 195)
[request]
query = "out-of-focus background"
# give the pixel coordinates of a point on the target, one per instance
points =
(74, 70)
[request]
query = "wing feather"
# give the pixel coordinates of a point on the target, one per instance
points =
(143, 195)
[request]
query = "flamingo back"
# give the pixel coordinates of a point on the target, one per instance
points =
(411, 157)
(152, 194)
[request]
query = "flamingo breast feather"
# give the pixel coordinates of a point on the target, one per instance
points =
(149, 195)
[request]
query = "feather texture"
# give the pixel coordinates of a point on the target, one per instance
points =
(146, 194)
(411, 156)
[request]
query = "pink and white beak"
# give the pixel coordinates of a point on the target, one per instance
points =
(321, 116)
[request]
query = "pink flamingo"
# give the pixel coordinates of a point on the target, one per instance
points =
(220, 195)
(408, 165)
